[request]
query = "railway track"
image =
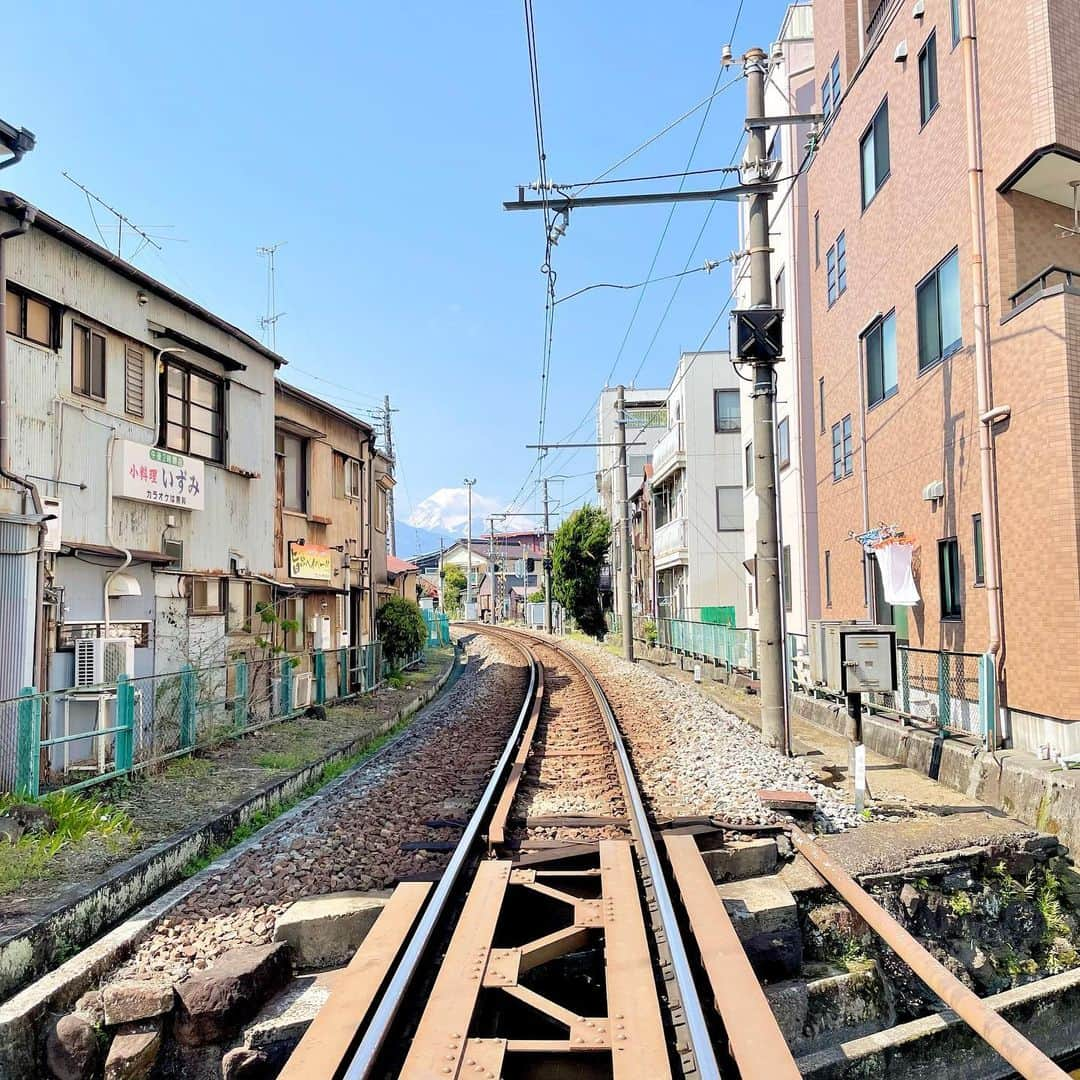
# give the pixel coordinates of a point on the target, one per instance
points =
(560, 941)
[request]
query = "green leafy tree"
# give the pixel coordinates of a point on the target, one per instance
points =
(401, 628)
(536, 597)
(577, 554)
(453, 586)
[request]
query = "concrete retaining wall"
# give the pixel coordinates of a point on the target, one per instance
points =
(83, 911)
(1039, 793)
(1047, 1012)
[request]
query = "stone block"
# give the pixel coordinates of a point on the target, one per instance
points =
(759, 906)
(215, 1002)
(790, 1003)
(71, 1049)
(134, 1051)
(325, 931)
(741, 859)
(127, 1000)
(837, 920)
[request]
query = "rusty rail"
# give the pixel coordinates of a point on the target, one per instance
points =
(1023, 1055)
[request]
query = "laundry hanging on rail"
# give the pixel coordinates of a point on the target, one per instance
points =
(897, 582)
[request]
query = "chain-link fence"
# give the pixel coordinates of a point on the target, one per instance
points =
(79, 736)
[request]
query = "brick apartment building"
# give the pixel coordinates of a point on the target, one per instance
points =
(911, 104)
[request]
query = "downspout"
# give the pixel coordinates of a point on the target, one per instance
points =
(864, 479)
(983, 377)
(25, 217)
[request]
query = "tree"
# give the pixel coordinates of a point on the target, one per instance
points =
(577, 554)
(536, 597)
(453, 587)
(401, 628)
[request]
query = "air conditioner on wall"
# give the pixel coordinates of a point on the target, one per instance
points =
(101, 661)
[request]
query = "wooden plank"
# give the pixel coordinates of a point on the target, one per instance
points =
(438, 1046)
(327, 1041)
(576, 821)
(427, 845)
(757, 1044)
(637, 1029)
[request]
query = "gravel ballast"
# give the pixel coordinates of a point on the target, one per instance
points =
(693, 757)
(352, 841)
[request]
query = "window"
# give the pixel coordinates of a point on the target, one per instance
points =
(836, 269)
(928, 89)
(729, 509)
(293, 612)
(874, 154)
(380, 509)
(238, 612)
(748, 455)
(192, 417)
(977, 548)
(880, 346)
(830, 89)
(353, 478)
(134, 381)
(205, 596)
(817, 238)
(954, 12)
(87, 362)
(726, 410)
(292, 451)
(842, 451)
(779, 300)
(821, 403)
(750, 599)
(783, 443)
(828, 579)
(937, 305)
(949, 577)
(32, 318)
(785, 569)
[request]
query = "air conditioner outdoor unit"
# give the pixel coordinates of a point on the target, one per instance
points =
(301, 690)
(101, 661)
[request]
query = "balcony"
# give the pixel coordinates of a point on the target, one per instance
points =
(669, 454)
(1051, 281)
(669, 543)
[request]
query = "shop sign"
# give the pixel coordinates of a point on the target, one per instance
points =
(311, 561)
(147, 474)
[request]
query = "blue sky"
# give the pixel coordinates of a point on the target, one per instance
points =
(378, 141)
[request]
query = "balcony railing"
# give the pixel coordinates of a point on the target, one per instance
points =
(670, 538)
(1051, 277)
(667, 449)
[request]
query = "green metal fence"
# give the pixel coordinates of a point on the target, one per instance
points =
(438, 624)
(735, 647)
(76, 737)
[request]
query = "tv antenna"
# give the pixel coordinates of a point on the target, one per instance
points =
(269, 321)
(1074, 229)
(146, 240)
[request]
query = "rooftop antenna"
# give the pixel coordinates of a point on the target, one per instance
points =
(146, 241)
(269, 321)
(1074, 229)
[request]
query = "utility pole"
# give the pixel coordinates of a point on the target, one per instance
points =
(491, 564)
(771, 664)
(468, 549)
(626, 609)
(547, 562)
(391, 526)
(270, 320)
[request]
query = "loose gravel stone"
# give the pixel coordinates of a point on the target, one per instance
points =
(351, 840)
(694, 757)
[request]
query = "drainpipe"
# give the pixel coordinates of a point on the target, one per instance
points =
(983, 377)
(864, 479)
(24, 214)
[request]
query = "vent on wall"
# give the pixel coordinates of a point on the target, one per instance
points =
(934, 490)
(175, 550)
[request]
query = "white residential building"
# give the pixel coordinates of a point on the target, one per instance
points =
(789, 89)
(697, 494)
(646, 422)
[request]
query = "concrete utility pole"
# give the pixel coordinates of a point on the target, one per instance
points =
(547, 562)
(626, 609)
(468, 549)
(391, 525)
(767, 557)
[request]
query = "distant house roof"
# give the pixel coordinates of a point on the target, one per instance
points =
(394, 565)
(427, 588)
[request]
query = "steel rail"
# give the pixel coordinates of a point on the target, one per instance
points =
(1022, 1054)
(377, 1031)
(708, 1068)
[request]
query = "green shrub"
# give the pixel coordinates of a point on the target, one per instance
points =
(401, 628)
